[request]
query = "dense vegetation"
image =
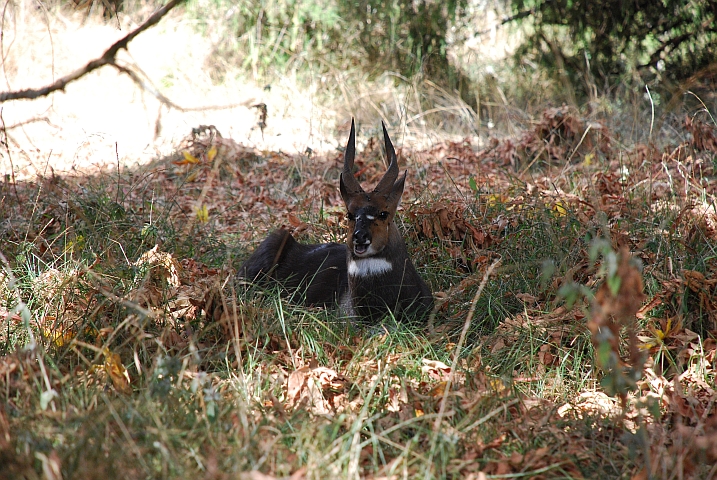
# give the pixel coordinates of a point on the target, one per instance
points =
(571, 249)
(591, 44)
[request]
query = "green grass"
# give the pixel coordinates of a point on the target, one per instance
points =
(211, 360)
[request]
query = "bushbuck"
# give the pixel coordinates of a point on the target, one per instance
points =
(371, 275)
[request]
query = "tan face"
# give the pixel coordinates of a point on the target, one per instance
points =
(369, 217)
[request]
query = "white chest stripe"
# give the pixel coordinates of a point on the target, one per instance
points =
(365, 267)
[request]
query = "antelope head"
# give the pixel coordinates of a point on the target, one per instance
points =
(370, 214)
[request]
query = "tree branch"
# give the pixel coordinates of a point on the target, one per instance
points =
(108, 58)
(152, 90)
(517, 16)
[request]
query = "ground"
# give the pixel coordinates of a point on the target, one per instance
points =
(573, 269)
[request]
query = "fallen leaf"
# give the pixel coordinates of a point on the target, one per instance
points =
(117, 372)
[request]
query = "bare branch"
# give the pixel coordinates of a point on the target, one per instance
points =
(108, 58)
(5, 143)
(152, 90)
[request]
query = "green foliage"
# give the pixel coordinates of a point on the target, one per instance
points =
(609, 39)
(407, 35)
(281, 36)
(275, 33)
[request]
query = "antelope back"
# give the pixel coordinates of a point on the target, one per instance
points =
(313, 274)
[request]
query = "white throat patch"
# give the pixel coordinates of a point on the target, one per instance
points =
(365, 267)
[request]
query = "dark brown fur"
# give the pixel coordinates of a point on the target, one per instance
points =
(308, 274)
(372, 227)
(371, 276)
(401, 292)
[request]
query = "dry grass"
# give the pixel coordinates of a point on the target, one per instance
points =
(122, 359)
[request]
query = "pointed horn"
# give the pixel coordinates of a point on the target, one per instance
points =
(347, 176)
(392, 173)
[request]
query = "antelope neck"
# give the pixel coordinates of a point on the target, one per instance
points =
(367, 267)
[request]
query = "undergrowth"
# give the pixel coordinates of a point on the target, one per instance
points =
(130, 349)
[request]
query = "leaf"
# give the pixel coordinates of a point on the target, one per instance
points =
(559, 209)
(526, 298)
(202, 214)
(493, 200)
(320, 389)
(212, 153)
(189, 159)
(614, 284)
(435, 369)
(212, 411)
(117, 372)
(295, 383)
(294, 220)
(438, 390)
(605, 356)
(58, 333)
(570, 292)
(547, 271)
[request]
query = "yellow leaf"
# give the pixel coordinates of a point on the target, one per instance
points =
(560, 209)
(659, 334)
(202, 214)
(189, 158)
(212, 153)
(59, 334)
(588, 160)
(438, 390)
(116, 371)
(647, 342)
(419, 412)
(493, 200)
(496, 385)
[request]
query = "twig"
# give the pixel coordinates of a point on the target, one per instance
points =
(144, 86)
(108, 58)
(152, 90)
(29, 121)
(5, 143)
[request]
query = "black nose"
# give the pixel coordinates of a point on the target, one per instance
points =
(362, 237)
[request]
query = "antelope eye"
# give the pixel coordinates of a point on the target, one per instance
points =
(351, 216)
(383, 215)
